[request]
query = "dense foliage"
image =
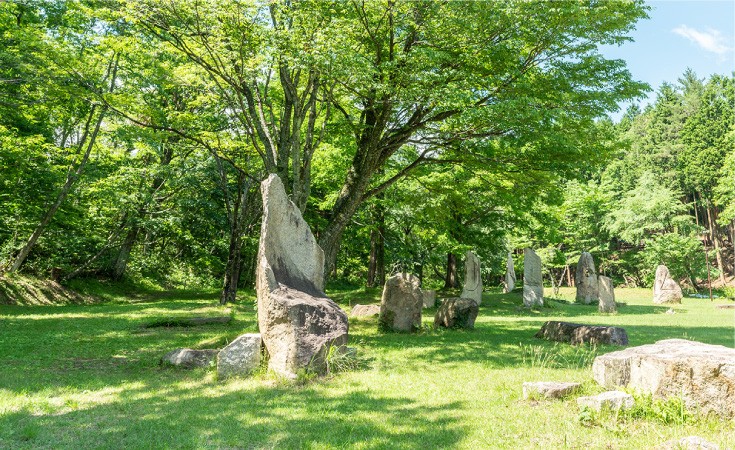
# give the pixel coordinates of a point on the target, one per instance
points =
(133, 135)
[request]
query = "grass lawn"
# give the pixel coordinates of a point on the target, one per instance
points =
(87, 376)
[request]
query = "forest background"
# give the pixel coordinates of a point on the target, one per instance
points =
(133, 136)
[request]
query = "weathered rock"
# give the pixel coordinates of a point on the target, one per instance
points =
(665, 289)
(365, 310)
(548, 389)
(688, 443)
(298, 323)
(703, 374)
(472, 279)
(533, 287)
(725, 306)
(429, 297)
(240, 357)
(456, 313)
(612, 400)
(188, 358)
(586, 279)
(606, 295)
(400, 305)
(577, 333)
(510, 275)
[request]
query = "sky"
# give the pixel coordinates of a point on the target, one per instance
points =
(680, 33)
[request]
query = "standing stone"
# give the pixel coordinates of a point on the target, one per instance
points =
(607, 295)
(429, 297)
(472, 279)
(533, 287)
(297, 321)
(586, 279)
(400, 305)
(665, 289)
(240, 357)
(510, 275)
(456, 313)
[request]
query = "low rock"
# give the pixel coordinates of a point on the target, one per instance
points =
(576, 333)
(702, 374)
(612, 400)
(548, 389)
(240, 357)
(189, 359)
(606, 295)
(365, 310)
(725, 306)
(401, 303)
(688, 443)
(429, 297)
(456, 313)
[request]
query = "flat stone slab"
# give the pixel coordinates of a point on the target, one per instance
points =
(548, 389)
(688, 443)
(577, 333)
(612, 400)
(189, 358)
(725, 306)
(703, 374)
(187, 321)
(365, 310)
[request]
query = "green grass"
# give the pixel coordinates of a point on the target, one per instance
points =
(87, 376)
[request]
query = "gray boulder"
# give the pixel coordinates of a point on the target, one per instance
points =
(665, 289)
(577, 333)
(456, 313)
(401, 303)
(606, 294)
(472, 280)
(586, 279)
(365, 310)
(611, 400)
(429, 297)
(188, 358)
(533, 287)
(703, 374)
(510, 275)
(240, 357)
(297, 321)
(548, 389)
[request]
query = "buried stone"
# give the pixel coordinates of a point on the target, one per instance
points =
(240, 357)
(297, 321)
(577, 333)
(189, 358)
(548, 389)
(365, 310)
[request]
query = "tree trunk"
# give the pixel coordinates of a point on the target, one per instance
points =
(71, 178)
(713, 231)
(376, 263)
(123, 256)
(234, 255)
(450, 282)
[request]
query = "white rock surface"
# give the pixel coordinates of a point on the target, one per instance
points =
(606, 294)
(533, 287)
(585, 279)
(665, 289)
(240, 357)
(472, 279)
(703, 374)
(612, 400)
(188, 358)
(298, 323)
(510, 275)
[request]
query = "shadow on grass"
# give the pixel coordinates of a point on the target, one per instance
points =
(159, 415)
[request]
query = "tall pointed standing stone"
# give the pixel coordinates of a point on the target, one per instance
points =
(510, 275)
(665, 289)
(607, 295)
(533, 287)
(297, 321)
(586, 279)
(472, 279)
